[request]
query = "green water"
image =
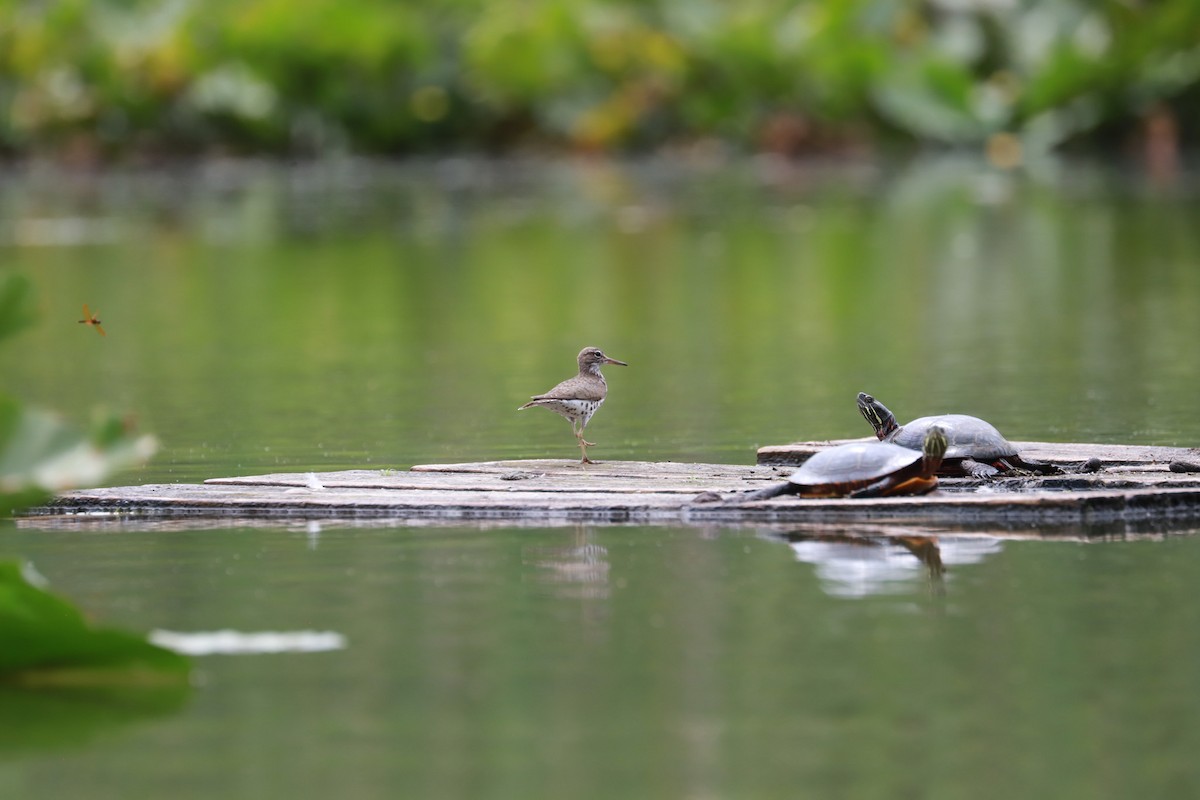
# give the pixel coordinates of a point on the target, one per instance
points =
(364, 315)
(639, 662)
(373, 315)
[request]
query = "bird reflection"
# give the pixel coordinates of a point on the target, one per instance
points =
(858, 563)
(579, 570)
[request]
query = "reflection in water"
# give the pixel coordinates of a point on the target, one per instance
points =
(229, 642)
(857, 565)
(70, 716)
(579, 570)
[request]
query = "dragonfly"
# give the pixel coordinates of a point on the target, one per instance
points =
(90, 319)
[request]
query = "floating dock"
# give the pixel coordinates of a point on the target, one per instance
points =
(1137, 488)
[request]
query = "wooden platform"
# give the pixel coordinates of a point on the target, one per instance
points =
(1135, 490)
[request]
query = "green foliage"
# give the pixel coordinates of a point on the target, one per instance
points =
(39, 453)
(46, 640)
(384, 76)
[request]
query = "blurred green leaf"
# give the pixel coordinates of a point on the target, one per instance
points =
(45, 640)
(41, 455)
(932, 100)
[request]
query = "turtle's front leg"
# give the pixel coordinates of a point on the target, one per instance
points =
(977, 470)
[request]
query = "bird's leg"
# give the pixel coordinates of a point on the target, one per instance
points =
(583, 440)
(583, 443)
(577, 429)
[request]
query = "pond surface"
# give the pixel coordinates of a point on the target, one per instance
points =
(638, 662)
(352, 315)
(342, 316)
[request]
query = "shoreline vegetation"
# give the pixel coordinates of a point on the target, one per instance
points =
(95, 81)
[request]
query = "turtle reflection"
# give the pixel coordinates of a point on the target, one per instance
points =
(861, 563)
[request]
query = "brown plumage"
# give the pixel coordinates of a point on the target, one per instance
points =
(577, 398)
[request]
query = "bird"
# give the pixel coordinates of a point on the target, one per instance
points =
(90, 319)
(577, 398)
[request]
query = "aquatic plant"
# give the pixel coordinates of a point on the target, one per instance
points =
(47, 641)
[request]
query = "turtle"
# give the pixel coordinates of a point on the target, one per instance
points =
(865, 469)
(975, 449)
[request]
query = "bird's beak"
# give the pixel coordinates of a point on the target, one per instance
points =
(608, 360)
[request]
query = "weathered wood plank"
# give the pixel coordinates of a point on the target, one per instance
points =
(530, 476)
(274, 500)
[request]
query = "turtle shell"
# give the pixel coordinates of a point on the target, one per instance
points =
(851, 466)
(967, 437)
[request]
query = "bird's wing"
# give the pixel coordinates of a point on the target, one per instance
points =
(573, 389)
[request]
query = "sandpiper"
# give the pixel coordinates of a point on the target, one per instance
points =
(578, 398)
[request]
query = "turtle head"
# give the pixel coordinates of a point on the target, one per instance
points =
(876, 413)
(935, 446)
